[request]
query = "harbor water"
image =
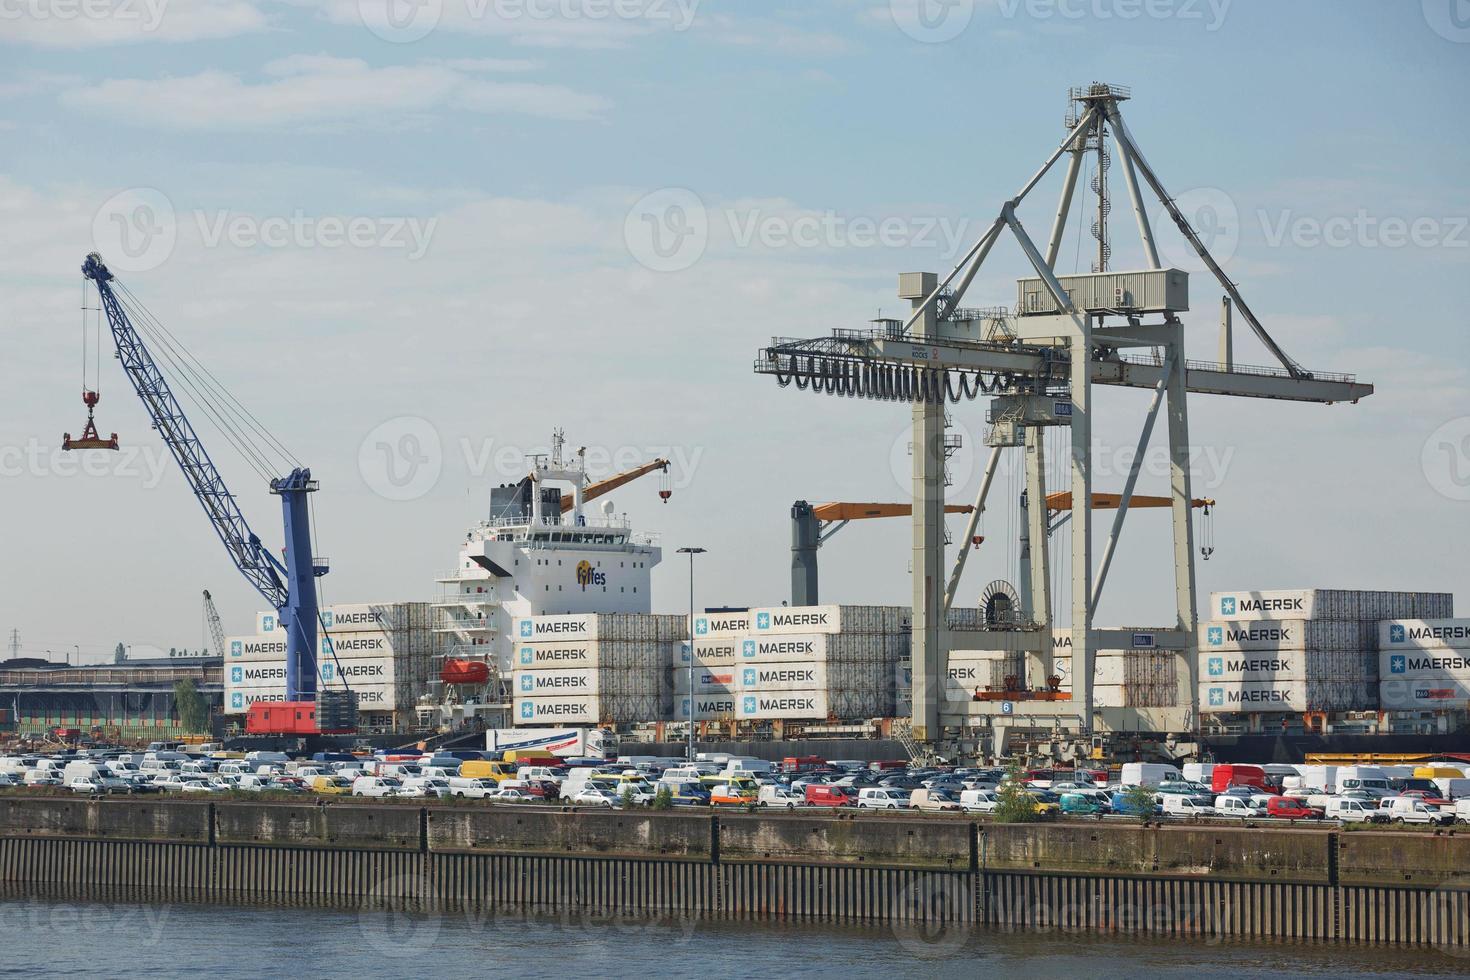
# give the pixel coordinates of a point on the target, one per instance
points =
(46, 935)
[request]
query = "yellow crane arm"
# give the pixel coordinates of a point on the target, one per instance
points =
(594, 490)
(1062, 500)
(858, 512)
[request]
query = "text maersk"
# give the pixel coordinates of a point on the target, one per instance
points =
(1245, 604)
(554, 709)
(1437, 663)
(1257, 635)
(773, 620)
(1258, 697)
(555, 682)
(769, 648)
(1259, 665)
(786, 703)
(800, 675)
(1434, 633)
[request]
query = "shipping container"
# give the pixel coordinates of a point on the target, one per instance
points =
(724, 625)
(1424, 634)
(632, 654)
(1288, 664)
(1270, 635)
(1287, 695)
(357, 617)
(624, 709)
(773, 620)
(591, 681)
(1336, 604)
(1442, 692)
(649, 627)
(371, 697)
(1424, 664)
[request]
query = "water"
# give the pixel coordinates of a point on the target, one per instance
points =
(57, 938)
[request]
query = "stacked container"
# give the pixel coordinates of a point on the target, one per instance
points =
(384, 652)
(1424, 664)
(593, 668)
(1288, 651)
(793, 663)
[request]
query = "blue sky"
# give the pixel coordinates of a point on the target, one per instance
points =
(496, 167)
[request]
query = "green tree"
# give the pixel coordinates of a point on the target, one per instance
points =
(663, 799)
(120, 655)
(1012, 803)
(1140, 801)
(193, 716)
(627, 798)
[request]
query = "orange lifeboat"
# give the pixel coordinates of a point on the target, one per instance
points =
(465, 672)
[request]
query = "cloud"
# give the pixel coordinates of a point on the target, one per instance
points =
(96, 23)
(308, 89)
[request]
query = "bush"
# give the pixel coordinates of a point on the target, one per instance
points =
(1013, 804)
(1140, 801)
(663, 799)
(627, 798)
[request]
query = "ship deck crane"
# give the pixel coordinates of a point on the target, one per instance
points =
(289, 585)
(594, 490)
(813, 524)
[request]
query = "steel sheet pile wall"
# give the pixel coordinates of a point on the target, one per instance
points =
(1289, 651)
(594, 668)
(383, 651)
(1424, 664)
(793, 663)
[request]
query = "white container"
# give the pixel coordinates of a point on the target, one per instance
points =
(370, 697)
(710, 653)
(771, 620)
(1253, 697)
(616, 709)
(241, 648)
(795, 705)
(1439, 693)
(1272, 635)
(589, 681)
(1424, 634)
(1294, 604)
(710, 626)
(1447, 665)
(787, 677)
(627, 654)
(706, 707)
(708, 680)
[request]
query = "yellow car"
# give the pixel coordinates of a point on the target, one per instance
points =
(331, 785)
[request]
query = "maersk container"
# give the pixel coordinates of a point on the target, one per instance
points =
(1415, 664)
(814, 647)
(773, 620)
(707, 680)
(1440, 693)
(1270, 635)
(243, 648)
(709, 653)
(1288, 696)
(782, 705)
(1292, 604)
(596, 626)
(722, 625)
(1287, 664)
(593, 681)
(627, 709)
(1424, 634)
(792, 677)
(239, 698)
(621, 654)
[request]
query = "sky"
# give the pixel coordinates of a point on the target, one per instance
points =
(415, 236)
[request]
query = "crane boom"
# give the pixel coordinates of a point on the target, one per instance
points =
(216, 630)
(594, 490)
(1062, 500)
(288, 587)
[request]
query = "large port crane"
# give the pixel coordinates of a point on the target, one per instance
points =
(289, 585)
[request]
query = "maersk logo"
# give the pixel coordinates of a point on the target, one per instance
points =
(747, 677)
(747, 705)
(747, 649)
(237, 674)
(762, 621)
(1398, 664)
(1227, 605)
(528, 656)
(1396, 633)
(1217, 697)
(237, 700)
(525, 635)
(1217, 666)
(1215, 636)
(328, 618)
(237, 649)
(528, 683)
(267, 624)
(701, 626)
(528, 710)
(329, 672)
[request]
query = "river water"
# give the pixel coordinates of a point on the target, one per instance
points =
(41, 936)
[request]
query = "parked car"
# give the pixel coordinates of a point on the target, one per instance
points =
(830, 794)
(1407, 809)
(376, 786)
(882, 798)
(934, 800)
(475, 787)
(978, 800)
(779, 797)
(509, 794)
(1291, 808)
(595, 796)
(1083, 804)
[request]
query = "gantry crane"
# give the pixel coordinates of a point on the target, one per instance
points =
(289, 586)
(813, 524)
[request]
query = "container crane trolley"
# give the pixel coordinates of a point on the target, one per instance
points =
(289, 585)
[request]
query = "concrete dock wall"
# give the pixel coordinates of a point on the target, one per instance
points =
(1200, 880)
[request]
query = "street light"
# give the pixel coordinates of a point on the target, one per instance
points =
(691, 552)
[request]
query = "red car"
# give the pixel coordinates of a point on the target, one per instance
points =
(820, 794)
(1291, 808)
(1425, 796)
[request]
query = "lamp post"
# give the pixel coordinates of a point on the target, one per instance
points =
(691, 552)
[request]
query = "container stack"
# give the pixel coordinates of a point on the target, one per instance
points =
(792, 663)
(1424, 664)
(382, 651)
(593, 668)
(1290, 651)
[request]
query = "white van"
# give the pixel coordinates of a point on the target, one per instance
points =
(1369, 779)
(1199, 772)
(1181, 805)
(376, 786)
(97, 774)
(541, 773)
(1452, 789)
(576, 780)
(882, 798)
(1408, 809)
(472, 788)
(1148, 774)
(771, 795)
(978, 800)
(1236, 805)
(755, 768)
(1349, 810)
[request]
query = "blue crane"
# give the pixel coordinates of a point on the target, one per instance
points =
(288, 586)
